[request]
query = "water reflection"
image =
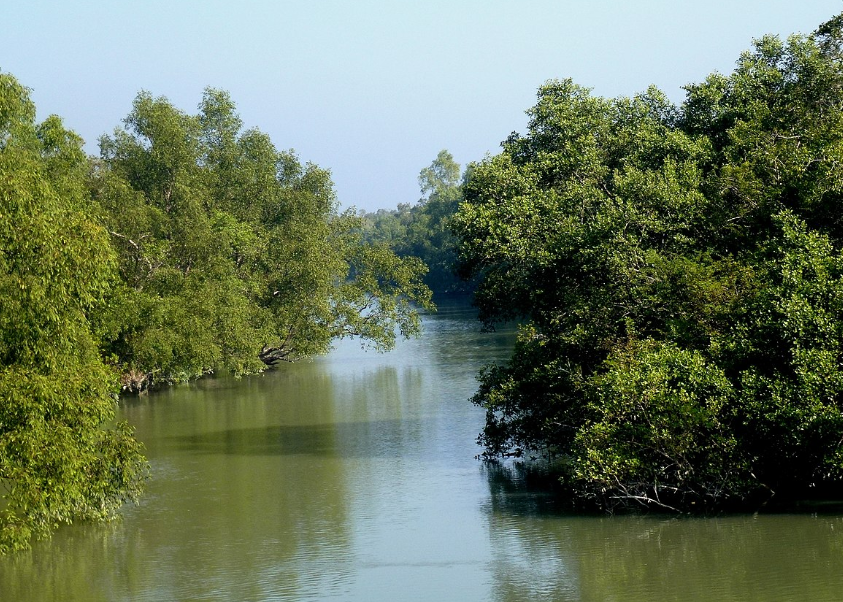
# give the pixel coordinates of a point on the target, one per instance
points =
(543, 553)
(353, 477)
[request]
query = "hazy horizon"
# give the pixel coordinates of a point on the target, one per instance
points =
(373, 90)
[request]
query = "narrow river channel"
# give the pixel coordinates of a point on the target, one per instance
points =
(353, 477)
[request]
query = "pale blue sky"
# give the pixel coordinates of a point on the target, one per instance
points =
(370, 89)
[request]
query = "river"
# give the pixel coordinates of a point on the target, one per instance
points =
(354, 477)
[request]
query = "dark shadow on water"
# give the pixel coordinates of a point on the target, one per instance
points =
(526, 489)
(382, 438)
(532, 489)
(824, 507)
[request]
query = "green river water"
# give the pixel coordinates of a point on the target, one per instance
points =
(353, 477)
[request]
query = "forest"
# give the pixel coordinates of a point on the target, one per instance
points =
(676, 270)
(188, 247)
(679, 274)
(423, 229)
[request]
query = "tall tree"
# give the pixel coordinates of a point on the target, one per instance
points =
(59, 459)
(233, 254)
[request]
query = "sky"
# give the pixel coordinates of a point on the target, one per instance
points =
(373, 89)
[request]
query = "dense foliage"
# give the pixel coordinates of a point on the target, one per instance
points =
(679, 270)
(423, 229)
(232, 253)
(188, 247)
(59, 459)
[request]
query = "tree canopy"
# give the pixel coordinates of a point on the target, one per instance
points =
(232, 253)
(59, 459)
(678, 269)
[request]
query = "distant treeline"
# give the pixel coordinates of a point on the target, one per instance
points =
(189, 246)
(423, 229)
